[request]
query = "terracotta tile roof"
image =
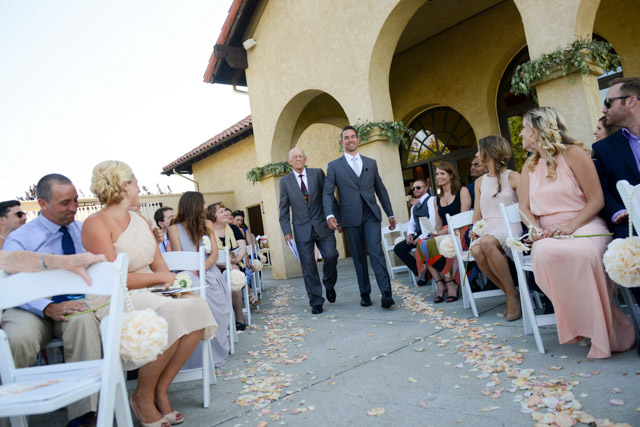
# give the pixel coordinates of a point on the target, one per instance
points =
(227, 137)
(222, 38)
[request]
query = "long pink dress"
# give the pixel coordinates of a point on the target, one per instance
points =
(570, 271)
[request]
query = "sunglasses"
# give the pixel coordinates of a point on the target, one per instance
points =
(20, 214)
(608, 101)
(418, 187)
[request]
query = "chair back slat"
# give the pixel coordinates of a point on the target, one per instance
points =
(460, 220)
(188, 261)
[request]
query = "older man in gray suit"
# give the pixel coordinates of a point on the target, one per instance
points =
(358, 183)
(301, 190)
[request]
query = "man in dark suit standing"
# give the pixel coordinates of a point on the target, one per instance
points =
(358, 183)
(301, 190)
(618, 156)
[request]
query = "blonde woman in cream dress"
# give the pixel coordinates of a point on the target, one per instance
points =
(116, 230)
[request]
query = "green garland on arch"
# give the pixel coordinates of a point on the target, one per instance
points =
(278, 168)
(396, 132)
(573, 59)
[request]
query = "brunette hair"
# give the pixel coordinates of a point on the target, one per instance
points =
(499, 150)
(239, 213)
(630, 85)
(191, 215)
(455, 181)
(609, 130)
(211, 210)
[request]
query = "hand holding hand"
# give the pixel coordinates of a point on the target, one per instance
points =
(57, 311)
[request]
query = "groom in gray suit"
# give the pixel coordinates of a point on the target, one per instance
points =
(301, 190)
(358, 184)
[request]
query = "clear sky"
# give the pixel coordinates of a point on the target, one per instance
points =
(83, 81)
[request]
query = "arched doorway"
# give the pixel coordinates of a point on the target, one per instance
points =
(441, 134)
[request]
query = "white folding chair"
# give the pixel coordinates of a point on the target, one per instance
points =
(531, 321)
(195, 261)
(49, 388)
(233, 333)
(468, 298)
(388, 237)
(625, 189)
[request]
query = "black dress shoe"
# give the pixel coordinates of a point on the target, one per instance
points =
(240, 326)
(421, 283)
(387, 301)
(331, 295)
(365, 300)
(317, 309)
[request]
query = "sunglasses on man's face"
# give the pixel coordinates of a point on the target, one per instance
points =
(608, 101)
(20, 214)
(418, 187)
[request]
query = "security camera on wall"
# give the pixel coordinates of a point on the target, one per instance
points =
(249, 44)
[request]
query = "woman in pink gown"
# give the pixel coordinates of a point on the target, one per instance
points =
(561, 195)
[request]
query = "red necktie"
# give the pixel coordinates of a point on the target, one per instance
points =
(303, 188)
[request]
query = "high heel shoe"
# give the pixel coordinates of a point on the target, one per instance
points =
(513, 316)
(440, 298)
(172, 417)
(162, 422)
(452, 296)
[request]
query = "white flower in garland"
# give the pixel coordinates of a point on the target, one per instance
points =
(622, 261)
(183, 280)
(238, 280)
(144, 336)
(517, 244)
(206, 242)
(447, 248)
(479, 227)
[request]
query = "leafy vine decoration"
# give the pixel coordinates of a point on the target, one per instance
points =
(573, 59)
(279, 168)
(395, 132)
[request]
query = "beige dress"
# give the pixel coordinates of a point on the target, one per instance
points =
(490, 207)
(184, 315)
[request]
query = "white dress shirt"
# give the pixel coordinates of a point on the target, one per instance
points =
(304, 177)
(426, 198)
(355, 162)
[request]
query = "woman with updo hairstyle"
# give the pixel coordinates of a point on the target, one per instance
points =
(560, 195)
(452, 199)
(116, 230)
(186, 233)
(499, 185)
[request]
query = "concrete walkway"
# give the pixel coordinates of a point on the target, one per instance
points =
(417, 364)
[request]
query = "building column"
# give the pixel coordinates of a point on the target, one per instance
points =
(390, 169)
(284, 264)
(550, 25)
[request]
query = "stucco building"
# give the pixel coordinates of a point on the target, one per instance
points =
(443, 67)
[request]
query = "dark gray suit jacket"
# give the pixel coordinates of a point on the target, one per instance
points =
(305, 216)
(353, 191)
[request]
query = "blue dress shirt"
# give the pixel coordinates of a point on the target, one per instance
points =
(43, 236)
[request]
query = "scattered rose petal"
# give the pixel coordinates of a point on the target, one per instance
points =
(422, 404)
(617, 402)
(418, 349)
(261, 423)
(376, 412)
(616, 390)
(333, 383)
(489, 408)
(412, 380)
(555, 368)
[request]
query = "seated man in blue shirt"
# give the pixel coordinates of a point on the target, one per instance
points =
(163, 217)
(31, 326)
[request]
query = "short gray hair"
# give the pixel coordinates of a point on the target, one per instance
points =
(44, 189)
(294, 149)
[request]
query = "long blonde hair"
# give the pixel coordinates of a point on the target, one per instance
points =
(553, 137)
(499, 149)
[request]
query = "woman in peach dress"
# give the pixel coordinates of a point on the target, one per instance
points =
(560, 193)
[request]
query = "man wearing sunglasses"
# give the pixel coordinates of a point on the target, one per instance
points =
(618, 155)
(11, 217)
(423, 208)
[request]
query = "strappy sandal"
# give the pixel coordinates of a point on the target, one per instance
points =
(452, 296)
(253, 300)
(438, 299)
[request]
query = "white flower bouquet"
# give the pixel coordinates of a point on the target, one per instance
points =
(622, 261)
(144, 336)
(446, 247)
(257, 264)
(479, 227)
(238, 280)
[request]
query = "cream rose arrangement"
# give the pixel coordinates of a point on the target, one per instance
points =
(144, 336)
(183, 281)
(206, 242)
(238, 280)
(257, 264)
(447, 248)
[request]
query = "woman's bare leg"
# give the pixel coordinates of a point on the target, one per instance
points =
(236, 301)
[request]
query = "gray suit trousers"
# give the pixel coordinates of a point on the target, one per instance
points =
(367, 236)
(306, 250)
